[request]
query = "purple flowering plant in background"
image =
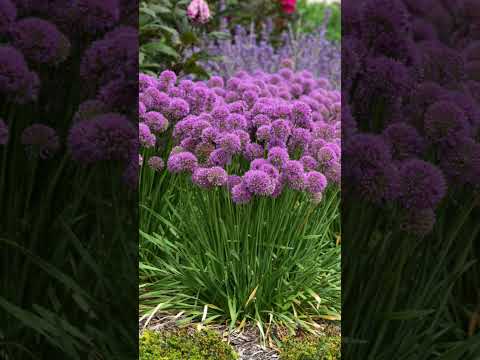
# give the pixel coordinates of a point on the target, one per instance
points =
(411, 171)
(249, 51)
(68, 137)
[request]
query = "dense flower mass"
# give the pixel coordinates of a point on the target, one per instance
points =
(255, 134)
(412, 122)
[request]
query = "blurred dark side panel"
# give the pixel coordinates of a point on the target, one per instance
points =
(411, 179)
(68, 177)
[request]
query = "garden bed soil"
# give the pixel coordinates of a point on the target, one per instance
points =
(246, 342)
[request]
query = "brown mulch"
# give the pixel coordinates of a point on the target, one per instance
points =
(246, 342)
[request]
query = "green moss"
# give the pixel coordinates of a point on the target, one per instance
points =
(180, 345)
(311, 348)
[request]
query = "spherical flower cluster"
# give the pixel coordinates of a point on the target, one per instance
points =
(156, 163)
(106, 137)
(40, 41)
(40, 141)
(16, 80)
(243, 134)
(97, 16)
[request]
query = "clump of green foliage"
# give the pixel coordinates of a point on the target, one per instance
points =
(311, 348)
(180, 344)
(312, 15)
(166, 35)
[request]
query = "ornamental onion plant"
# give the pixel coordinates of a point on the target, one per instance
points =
(411, 172)
(253, 163)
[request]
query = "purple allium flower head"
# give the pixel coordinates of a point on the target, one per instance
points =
(178, 108)
(240, 194)
(210, 177)
(460, 161)
(8, 13)
(309, 163)
(147, 139)
(166, 80)
(89, 109)
(219, 157)
(3, 133)
(253, 151)
(238, 107)
(16, 81)
(278, 156)
(236, 121)
(117, 94)
(244, 137)
(182, 162)
(300, 139)
(145, 81)
(315, 182)
(444, 119)
(219, 116)
(216, 176)
(271, 170)
(156, 122)
(209, 135)
(294, 174)
(404, 140)
(259, 183)
(326, 155)
(423, 185)
(40, 140)
(157, 100)
(215, 82)
(105, 137)
(333, 173)
(232, 181)
(189, 143)
(156, 163)
(40, 41)
(257, 164)
(260, 120)
(281, 129)
(230, 143)
(113, 57)
(264, 133)
(97, 16)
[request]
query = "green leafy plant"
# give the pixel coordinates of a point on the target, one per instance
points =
(311, 16)
(178, 345)
(165, 34)
(271, 262)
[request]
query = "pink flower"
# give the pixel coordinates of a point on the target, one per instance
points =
(198, 11)
(288, 6)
